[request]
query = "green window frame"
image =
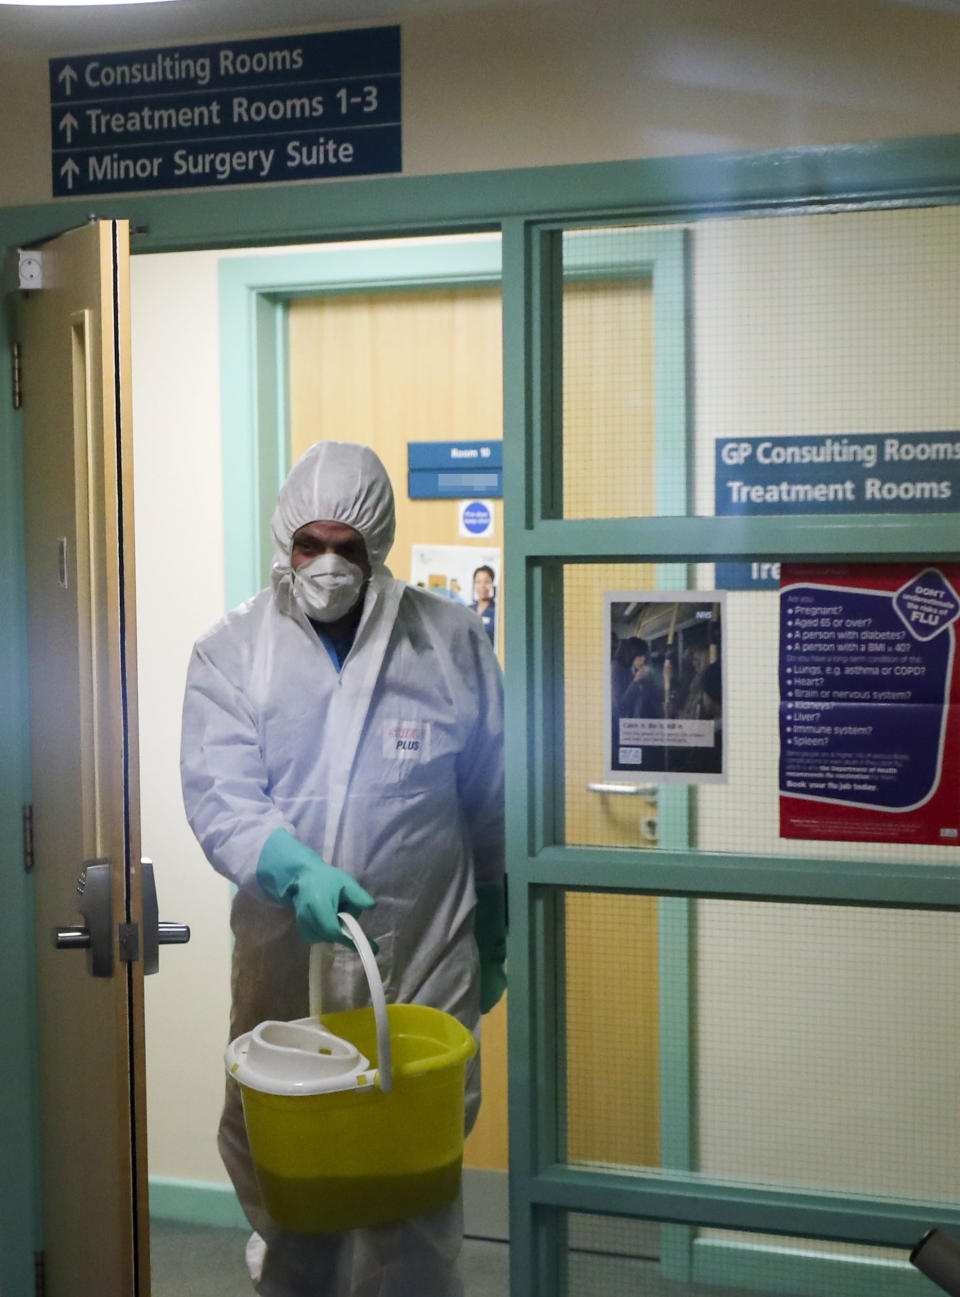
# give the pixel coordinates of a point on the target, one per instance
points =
(539, 540)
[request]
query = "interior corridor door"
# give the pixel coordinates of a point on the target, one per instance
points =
(394, 367)
(387, 368)
(74, 333)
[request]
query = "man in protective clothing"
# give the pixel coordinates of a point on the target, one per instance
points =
(343, 749)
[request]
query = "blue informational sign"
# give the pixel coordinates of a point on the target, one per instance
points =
(454, 454)
(454, 469)
(904, 472)
(309, 107)
(477, 517)
(747, 576)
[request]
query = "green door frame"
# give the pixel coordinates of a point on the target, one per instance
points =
(899, 172)
(254, 293)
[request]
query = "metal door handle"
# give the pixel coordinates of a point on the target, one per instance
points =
(155, 933)
(95, 889)
(96, 905)
(73, 938)
(649, 791)
(172, 934)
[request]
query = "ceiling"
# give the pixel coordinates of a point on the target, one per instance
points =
(66, 30)
(59, 30)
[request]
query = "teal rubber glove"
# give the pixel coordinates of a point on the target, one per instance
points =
(490, 930)
(291, 873)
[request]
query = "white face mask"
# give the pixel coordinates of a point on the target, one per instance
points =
(327, 587)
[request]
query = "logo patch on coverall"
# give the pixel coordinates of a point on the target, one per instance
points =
(407, 740)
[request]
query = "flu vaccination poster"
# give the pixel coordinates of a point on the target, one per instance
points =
(869, 693)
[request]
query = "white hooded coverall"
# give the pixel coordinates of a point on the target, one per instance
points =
(392, 770)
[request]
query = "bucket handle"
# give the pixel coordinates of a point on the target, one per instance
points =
(379, 1001)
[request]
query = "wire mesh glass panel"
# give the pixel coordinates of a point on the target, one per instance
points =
(819, 1045)
(608, 416)
(598, 811)
(747, 697)
(849, 1078)
(836, 332)
(641, 656)
(780, 364)
(606, 1256)
(613, 1089)
(788, 711)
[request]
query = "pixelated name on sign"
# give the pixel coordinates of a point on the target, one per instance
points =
(245, 112)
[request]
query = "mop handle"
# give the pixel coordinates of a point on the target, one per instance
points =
(379, 1001)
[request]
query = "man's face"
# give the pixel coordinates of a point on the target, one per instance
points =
(316, 538)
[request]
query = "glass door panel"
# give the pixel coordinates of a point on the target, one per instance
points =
(790, 362)
(622, 1257)
(714, 399)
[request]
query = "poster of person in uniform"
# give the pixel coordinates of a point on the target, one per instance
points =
(467, 573)
(664, 686)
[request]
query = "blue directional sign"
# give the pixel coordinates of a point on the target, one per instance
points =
(438, 470)
(902, 472)
(897, 472)
(309, 107)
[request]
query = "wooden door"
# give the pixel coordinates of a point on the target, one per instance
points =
(74, 334)
(386, 369)
(389, 368)
(612, 942)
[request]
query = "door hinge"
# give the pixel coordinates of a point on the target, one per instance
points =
(40, 1274)
(16, 375)
(28, 860)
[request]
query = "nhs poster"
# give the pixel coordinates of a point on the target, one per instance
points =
(869, 693)
(664, 686)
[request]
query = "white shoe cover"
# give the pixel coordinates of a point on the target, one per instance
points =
(254, 1253)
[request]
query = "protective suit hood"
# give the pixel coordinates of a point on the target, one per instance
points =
(335, 481)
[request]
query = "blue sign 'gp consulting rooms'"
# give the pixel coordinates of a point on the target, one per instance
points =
(245, 112)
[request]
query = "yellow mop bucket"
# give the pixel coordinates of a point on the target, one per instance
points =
(355, 1118)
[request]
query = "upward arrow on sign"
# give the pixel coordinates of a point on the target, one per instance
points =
(68, 124)
(70, 169)
(67, 78)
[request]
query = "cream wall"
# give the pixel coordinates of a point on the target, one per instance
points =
(601, 80)
(180, 593)
(179, 554)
